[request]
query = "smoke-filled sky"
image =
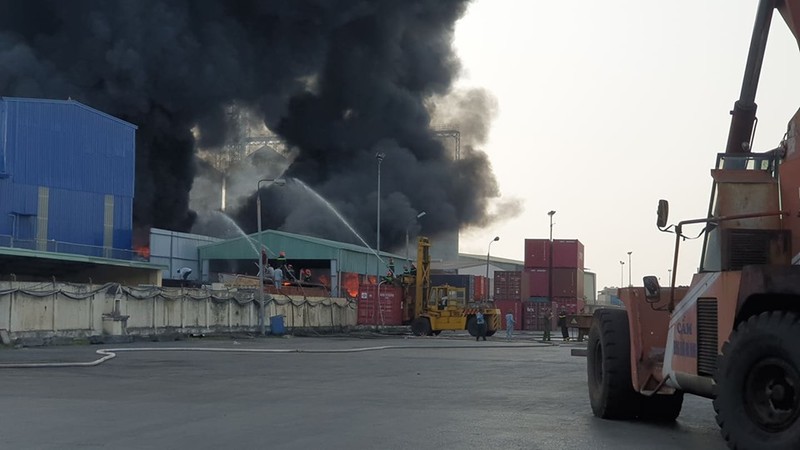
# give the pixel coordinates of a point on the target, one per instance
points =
(337, 79)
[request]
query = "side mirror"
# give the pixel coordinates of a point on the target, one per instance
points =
(652, 290)
(663, 213)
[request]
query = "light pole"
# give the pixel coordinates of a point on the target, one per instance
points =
(419, 216)
(630, 266)
(488, 251)
(379, 156)
(669, 277)
(550, 262)
(621, 274)
(279, 182)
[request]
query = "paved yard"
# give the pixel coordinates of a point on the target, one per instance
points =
(495, 396)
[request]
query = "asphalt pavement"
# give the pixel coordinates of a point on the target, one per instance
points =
(439, 392)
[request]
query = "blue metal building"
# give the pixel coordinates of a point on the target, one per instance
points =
(66, 178)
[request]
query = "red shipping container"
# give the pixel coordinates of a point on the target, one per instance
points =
(534, 314)
(535, 283)
(481, 287)
(568, 253)
(513, 306)
(387, 311)
(537, 253)
(507, 285)
(568, 283)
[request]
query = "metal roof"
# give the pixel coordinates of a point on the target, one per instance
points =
(350, 257)
(68, 102)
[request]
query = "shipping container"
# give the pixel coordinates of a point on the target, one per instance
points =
(388, 311)
(535, 283)
(537, 253)
(481, 287)
(590, 287)
(507, 285)
(568, 253)
(535, 313)
(513, 306)
(568, 282)
(460, 281)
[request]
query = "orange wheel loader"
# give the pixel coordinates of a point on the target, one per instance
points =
(734, 334)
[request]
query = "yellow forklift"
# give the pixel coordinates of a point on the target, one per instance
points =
(431, 309)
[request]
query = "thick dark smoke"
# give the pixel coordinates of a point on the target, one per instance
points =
(339, 79)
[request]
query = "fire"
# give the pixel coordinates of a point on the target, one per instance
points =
(350, 283)
(143, 251)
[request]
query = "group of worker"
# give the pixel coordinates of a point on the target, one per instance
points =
(282, 270)
(510, 322)
(391, 276)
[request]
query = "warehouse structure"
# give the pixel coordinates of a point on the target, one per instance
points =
(66, 192)
(337, 265)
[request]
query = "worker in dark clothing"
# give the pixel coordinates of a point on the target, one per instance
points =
(290, 273)
(481, 322)
(562, 322)
(547, 318)
(391, 265)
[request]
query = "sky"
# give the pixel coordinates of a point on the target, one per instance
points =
(605, 107)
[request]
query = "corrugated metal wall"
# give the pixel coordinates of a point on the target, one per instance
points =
(65, 157)
(64, 144)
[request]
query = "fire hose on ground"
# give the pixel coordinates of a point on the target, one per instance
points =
(111, 353)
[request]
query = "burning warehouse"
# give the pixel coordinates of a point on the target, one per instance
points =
(338, 267)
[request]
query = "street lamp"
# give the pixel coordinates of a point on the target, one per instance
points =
(279, 182)
(550, 261)
(379, 156)
(419, 216)
(496, 238)
(630, 266)
(621, 274)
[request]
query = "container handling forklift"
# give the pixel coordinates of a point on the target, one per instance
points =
(734, 335)
(432, 309)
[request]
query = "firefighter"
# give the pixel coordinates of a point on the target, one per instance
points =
(391, 265)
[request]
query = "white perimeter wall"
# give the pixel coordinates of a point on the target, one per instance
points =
(37, 309)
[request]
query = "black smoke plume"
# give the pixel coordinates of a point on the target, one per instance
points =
(341, 80)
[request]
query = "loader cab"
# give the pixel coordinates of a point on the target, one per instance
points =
(744, 184)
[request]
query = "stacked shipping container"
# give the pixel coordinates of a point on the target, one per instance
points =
(567, 280)
(507, 285)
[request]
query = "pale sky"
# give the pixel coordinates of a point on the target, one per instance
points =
(607, 106)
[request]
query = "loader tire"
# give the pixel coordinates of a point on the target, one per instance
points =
(472, 326)
(758, 383)
(608, 367)
(662, 407)
(421, 326)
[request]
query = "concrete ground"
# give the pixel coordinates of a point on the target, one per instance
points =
(445, 392)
